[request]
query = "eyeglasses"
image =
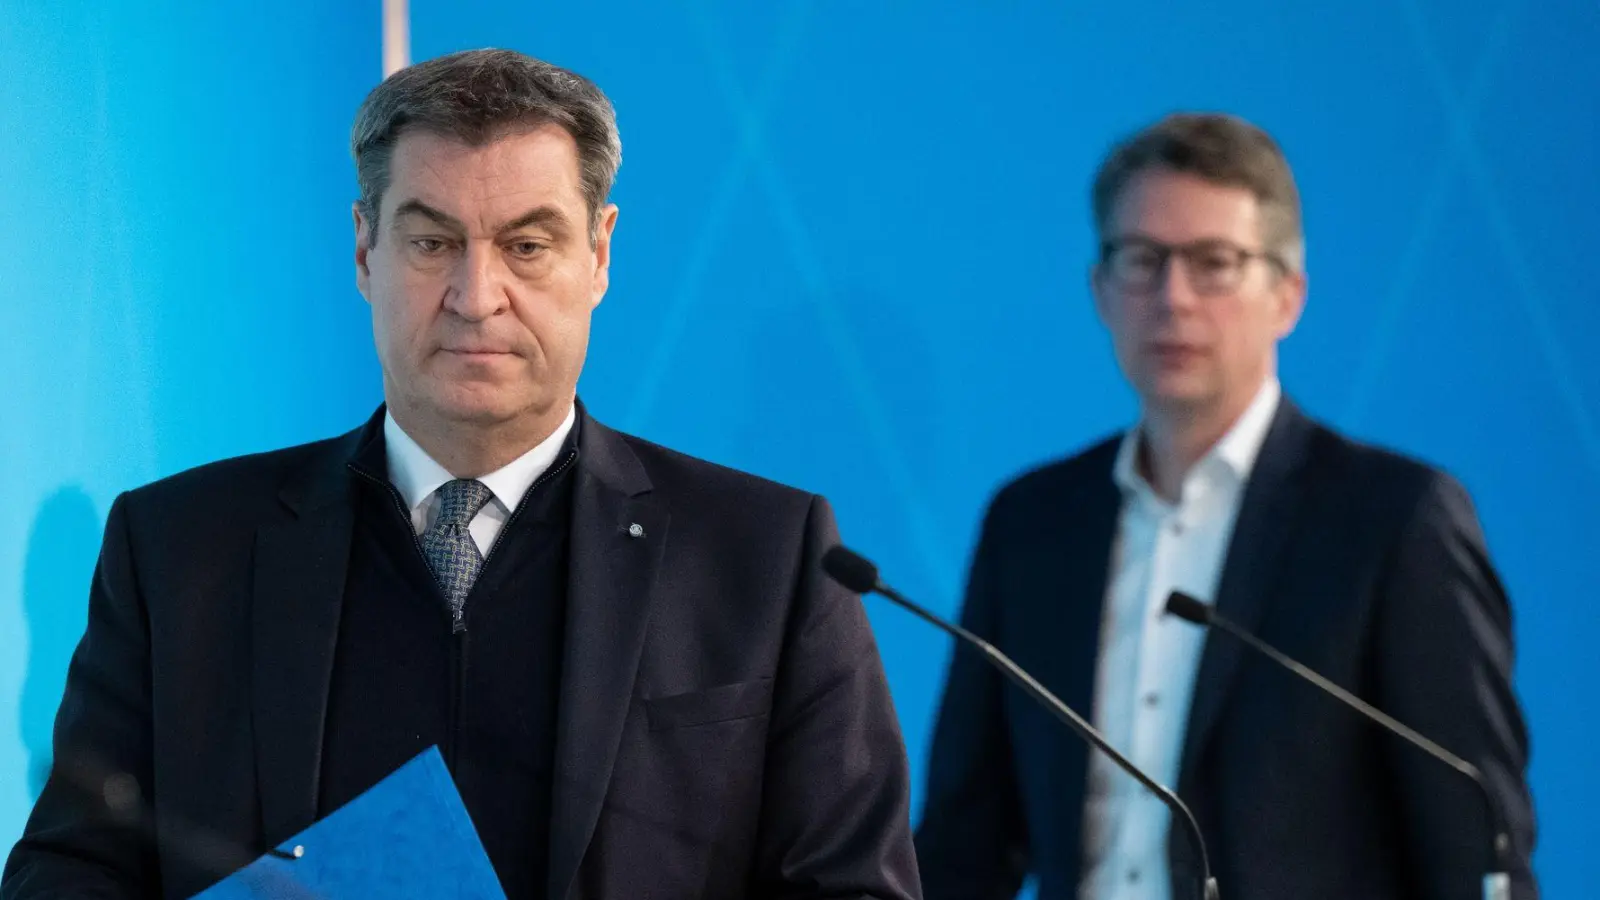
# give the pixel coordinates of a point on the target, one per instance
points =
(1138, 265)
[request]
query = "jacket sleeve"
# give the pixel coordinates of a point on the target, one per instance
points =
(90, 833)
(972, 842)
(835, 813)
(1444, 661)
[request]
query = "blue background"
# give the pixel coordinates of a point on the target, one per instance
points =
(851, 256)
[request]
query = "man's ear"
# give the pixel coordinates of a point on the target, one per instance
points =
(1290, 295)
(363, 245)
(602, 251)
(1102, 307)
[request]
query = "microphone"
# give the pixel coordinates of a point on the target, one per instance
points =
(1496, 884)
(858, 574)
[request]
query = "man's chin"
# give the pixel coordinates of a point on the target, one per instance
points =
(1178, 392)
(478, 407)
(475, 416)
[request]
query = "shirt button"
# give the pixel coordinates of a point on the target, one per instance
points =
(1133, 876)
(1152, 700)
(1176, 526)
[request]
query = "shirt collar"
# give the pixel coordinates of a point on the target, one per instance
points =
(1237, 450)
(417, 475)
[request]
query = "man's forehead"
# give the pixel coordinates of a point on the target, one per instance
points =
(1186, 205)
(520, 168)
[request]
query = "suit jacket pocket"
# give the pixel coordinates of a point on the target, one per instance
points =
(723, 703)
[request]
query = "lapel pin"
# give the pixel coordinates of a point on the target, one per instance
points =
(636, 530)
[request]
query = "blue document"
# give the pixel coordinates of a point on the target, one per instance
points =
(408, 836)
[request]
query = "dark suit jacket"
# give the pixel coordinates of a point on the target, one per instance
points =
(1368, 567)
(724, 729)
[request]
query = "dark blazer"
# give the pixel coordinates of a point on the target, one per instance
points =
(724, 728)
(1366, 566)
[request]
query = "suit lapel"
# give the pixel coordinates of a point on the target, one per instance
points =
(1073, 606)
(1073, 546)
(612, 569)
(299, 580)
(297, 595)
(1268, 514)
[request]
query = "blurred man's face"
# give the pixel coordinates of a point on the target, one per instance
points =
(1196, 327)
(483, 277)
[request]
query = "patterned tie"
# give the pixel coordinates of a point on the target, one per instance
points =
(452, 553)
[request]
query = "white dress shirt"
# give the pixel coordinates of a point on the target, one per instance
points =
(1148, 661)
(418, 477)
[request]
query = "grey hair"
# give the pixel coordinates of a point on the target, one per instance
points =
(1219, 148)
(476, 96)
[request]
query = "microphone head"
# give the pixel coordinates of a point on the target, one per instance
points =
(850, 569)
(1188, 608)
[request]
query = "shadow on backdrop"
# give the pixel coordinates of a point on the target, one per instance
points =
(62, 547)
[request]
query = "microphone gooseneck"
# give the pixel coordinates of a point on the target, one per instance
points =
(1192, 610)
(856, 573)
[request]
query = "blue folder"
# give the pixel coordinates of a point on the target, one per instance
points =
(408, 836)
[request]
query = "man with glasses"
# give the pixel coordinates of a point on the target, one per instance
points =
(1368, 566)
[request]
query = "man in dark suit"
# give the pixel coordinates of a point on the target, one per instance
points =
(635, 673)
(1367, 566)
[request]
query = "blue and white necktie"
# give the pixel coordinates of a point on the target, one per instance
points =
(452, 553)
